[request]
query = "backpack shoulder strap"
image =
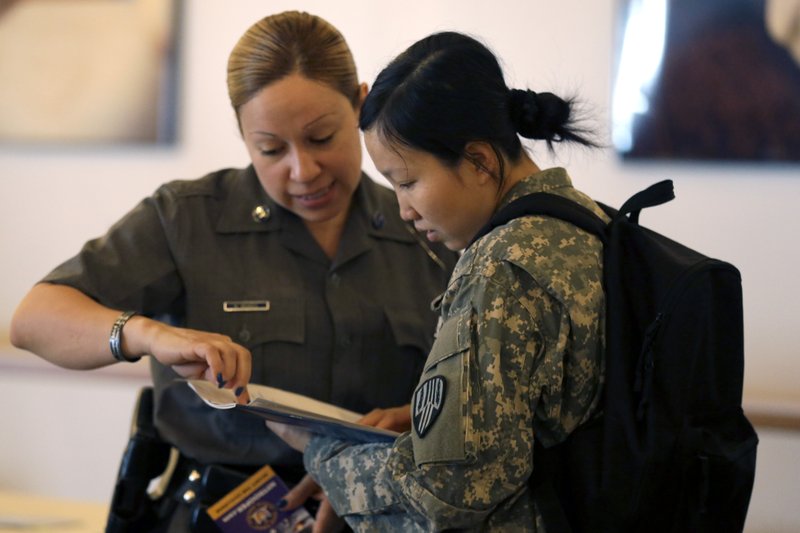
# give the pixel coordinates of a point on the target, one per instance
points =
(542, 203)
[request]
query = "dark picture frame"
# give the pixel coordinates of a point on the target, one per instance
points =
(707, 80)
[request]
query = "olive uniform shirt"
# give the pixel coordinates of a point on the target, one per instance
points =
(354, 331)
(518, 354)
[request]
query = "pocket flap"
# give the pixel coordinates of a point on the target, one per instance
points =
(408, 331)
(451, 338)
(283, 321)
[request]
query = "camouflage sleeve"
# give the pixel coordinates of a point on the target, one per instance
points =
(359, 483)
(471, 445)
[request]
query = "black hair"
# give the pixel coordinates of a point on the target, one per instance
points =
(448, 89)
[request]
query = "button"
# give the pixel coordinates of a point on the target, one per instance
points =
(194, 475)
(261, 213)
(244, 334)
(189, 496)
(335, 279)
(378, 220)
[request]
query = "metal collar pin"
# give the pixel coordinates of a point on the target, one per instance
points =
(261, 213)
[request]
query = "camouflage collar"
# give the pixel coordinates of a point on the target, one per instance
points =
(548, 180)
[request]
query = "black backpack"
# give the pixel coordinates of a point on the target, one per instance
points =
(671, 450)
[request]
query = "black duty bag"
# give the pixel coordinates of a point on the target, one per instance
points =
(146, 457)
(672, 450)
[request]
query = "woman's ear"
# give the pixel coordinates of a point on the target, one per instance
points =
(483, 158)
(363, 89)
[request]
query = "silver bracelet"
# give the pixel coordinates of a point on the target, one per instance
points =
(114, 339)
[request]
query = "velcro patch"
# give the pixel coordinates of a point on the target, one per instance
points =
(428, 403)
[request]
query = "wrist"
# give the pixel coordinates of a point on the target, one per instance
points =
(115, 339)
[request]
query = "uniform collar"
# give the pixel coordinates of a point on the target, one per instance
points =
(373, 216)
(548, 180)
(245, 194)
(377, 207)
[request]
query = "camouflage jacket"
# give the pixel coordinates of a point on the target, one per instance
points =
(518, 353)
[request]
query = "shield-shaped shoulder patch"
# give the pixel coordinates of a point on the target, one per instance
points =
(428, 403)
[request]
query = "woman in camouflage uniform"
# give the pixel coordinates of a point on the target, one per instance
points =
(519, 351)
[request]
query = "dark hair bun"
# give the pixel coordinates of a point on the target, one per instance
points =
(538, 115)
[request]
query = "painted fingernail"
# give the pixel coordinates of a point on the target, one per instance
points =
(220, 381)
(282, 504)
(238, 391)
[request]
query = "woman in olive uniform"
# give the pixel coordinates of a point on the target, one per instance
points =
(294, 272)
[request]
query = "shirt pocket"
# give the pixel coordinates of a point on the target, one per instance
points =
(412, 338)
(410, 330)
(282, 321)
(441, 402)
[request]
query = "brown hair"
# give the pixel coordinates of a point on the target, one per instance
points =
(287, 43)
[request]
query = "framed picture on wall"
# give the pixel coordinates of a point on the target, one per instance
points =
(708, 80)
(88, 71)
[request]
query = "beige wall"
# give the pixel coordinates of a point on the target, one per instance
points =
(53, 199)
